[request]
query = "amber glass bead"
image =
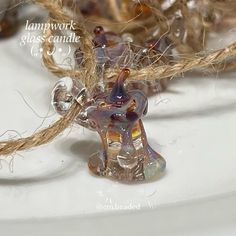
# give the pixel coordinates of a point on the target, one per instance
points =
(9, 24)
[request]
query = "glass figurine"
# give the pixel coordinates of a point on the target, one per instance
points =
(110, 49)
(178, 28)
(119, 51)
(116, 114)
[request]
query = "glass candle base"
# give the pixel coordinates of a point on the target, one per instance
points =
(148, 166)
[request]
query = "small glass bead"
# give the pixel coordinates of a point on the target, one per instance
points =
(114, 51)
(178, 27)
(66, 92)
(137, 9)
(9, 24)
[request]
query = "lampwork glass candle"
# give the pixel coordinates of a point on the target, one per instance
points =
(116, 115)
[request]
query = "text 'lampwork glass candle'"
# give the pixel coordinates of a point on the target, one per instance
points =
(116, 115)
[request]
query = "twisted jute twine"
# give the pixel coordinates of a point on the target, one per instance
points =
(88, 75)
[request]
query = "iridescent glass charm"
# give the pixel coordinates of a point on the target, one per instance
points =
(116, 114)
(125, 154)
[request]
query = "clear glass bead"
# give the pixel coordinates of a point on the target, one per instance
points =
(65, 93)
